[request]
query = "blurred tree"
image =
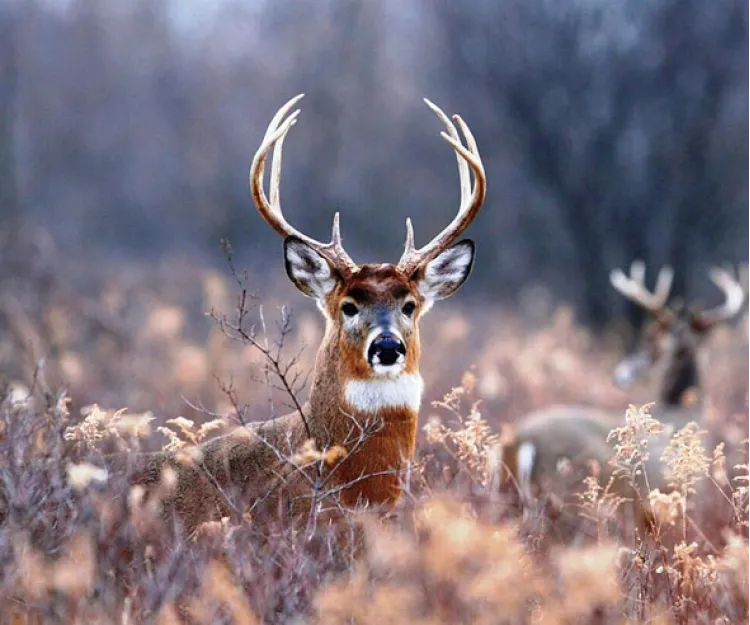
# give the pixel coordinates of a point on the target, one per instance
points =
(609, 131)
(625, 115)
(10, 18)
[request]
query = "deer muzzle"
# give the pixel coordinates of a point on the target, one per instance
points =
(386, 350)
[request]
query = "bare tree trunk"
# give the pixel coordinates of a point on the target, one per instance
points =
(9, 21)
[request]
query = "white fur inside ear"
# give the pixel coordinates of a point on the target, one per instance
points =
(445, 273)
(309, 271)
(372, 396)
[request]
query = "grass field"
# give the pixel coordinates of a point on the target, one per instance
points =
(97, 359)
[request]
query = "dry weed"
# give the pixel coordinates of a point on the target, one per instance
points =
(76, 547)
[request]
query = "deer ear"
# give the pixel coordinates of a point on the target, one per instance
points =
(445, 273)
(307, 269)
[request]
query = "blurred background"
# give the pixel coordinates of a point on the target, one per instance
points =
(609, 131)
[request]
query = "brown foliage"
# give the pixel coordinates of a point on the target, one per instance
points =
(78, 546)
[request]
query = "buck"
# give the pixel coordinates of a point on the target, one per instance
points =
(366, 388)
(668, 352)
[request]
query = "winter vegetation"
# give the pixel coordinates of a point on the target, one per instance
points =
(580, 454)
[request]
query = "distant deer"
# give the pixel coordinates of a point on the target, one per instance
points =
(366, 387)
(544, 439)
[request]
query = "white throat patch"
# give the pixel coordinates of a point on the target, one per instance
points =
(372, 396)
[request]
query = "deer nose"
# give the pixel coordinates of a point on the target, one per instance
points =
(385, 350)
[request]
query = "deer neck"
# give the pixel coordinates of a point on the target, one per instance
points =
(374, 419)
(679, 377)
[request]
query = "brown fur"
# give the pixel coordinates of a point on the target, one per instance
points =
(245, 462)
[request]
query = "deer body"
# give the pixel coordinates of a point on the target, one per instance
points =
(366, 388)
(245, 464)
(543, 438)
(577, 433)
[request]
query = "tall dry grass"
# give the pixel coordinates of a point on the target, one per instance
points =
(127, 360)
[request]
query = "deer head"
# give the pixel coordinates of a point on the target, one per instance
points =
(671, 340)
(372, 310)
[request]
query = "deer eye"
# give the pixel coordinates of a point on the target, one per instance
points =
(409, 308)
(349, 309)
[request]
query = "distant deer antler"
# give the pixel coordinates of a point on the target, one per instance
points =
(634, 287)
(271, 211)
(734, 297)
(471, 198)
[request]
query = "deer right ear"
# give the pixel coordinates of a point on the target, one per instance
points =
(310, 272)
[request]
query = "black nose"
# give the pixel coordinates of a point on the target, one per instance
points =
(385, 350)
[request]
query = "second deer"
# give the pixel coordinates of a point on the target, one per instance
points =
(669, 350)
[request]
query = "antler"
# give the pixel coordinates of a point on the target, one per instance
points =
(734, 297)
(271, 211)
(634, 287)
(471, 199)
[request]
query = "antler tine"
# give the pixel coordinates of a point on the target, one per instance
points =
(663, 285)
(276, 159)
(471, 198)
(634, 287)
(638, 271)
(734, 296)
(463, 169)
(274, 135)
(271, 210)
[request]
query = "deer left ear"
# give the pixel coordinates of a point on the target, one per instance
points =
(445, 273)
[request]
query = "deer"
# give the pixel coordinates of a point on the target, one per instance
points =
(544, 440)
(366, 388)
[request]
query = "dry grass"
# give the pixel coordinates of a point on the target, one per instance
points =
(77, 546)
